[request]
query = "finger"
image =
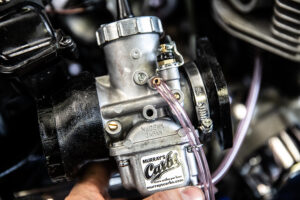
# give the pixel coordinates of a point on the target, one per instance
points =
(98, 174)
(93, 183)
(85, 191)
(188, 193)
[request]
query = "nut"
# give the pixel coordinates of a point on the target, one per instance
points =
(156, 81)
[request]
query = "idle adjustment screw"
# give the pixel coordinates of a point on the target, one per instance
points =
(113, 127)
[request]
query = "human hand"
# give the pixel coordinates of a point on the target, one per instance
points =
(93, 186)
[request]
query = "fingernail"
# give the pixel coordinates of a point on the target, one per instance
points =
(191, 193)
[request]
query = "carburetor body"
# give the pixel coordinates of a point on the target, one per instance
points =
(149, 147)
(139, 130)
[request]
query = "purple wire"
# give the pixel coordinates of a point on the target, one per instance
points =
(243, 125)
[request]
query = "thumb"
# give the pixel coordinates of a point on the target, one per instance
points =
(187, 193)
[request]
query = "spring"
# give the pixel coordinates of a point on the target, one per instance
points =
(202, 111)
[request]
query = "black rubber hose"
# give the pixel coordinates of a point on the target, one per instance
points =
(71, 128)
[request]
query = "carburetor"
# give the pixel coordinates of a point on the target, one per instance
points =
(150, 147)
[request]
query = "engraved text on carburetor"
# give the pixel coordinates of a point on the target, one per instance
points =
(154, 130)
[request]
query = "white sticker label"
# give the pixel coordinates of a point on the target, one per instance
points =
(162, 170)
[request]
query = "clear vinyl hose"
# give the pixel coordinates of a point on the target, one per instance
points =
(204, 172)
(204, 176)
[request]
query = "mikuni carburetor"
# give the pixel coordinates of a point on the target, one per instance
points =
(150, 147)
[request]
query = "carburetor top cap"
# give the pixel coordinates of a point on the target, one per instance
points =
(128, 27)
